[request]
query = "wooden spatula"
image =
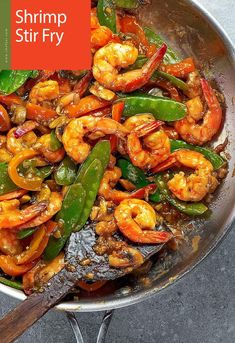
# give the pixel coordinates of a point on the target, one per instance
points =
(79, 247)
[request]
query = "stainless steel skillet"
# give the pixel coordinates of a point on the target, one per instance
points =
(192, 31)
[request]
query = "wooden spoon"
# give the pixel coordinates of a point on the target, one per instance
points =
(79, 247)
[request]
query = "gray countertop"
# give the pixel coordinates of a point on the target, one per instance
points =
(200, 308)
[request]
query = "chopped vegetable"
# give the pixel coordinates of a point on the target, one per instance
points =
(25, 233)
(55, 144)
(162, 108)
(10, 283)
(32, 184)
(72, 209)
(11, 80)
(66, 173)
(107, 15)
(170, 56)
(6, 184)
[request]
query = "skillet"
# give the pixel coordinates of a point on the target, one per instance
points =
(191, 31)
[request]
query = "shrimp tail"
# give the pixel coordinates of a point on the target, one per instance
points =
(146, 71)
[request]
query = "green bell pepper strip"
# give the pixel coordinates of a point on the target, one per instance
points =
(66, 173)
(6, 185)
(106, 14)
(127, 4)
(173, 80)
(162, 108)
(12, 284)
(11, 80)
(55, 144)
(68, 216)
(216, 160)
(43, 172)
(25, 233)
(191, 209)
(170, 56)
(136, 176)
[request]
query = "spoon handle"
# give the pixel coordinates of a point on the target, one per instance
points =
(15, 323)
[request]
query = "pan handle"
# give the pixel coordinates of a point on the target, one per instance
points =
(102, 330)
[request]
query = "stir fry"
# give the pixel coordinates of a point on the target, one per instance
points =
(123, 145)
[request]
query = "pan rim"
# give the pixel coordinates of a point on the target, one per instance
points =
(94, 306)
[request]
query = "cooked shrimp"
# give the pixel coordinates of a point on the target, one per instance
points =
(138, 120)
(136, 219)
(157, 143)
(11, 216)
(114, 56)
(54, 205)
(195, 186)
(110, 179)
(73, 137)
(189, 129)
(47, 90)
(44, 147)
(16, 145)
(9, 243)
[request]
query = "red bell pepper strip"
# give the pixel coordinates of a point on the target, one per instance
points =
(86, 105)
(180, 69)
(8, 265)
(39, 113)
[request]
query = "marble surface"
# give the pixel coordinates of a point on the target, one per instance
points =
(200, 308)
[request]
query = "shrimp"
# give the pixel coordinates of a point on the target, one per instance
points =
(110, 178)
(47, 90)
(195, 186)
(114, 56)
(136, 220)
(100, 37)
(73, 136)
(11, 216)
(138, 120)
(54, 206)
(189, 129)
(9, 243)
(44, 147)
(16, 145)
(158, 144)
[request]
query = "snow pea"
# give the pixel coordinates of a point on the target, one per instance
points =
(25, 233)
(66, 173)
(80, 197)
(216, 160)
(12, 284)
(91, 183)
(6, 185)
(67, 217)
(191, 209)
(11, 80)
(101, 151)
(107, 14)
(170, 56)
(162, 108)
(136, 176)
